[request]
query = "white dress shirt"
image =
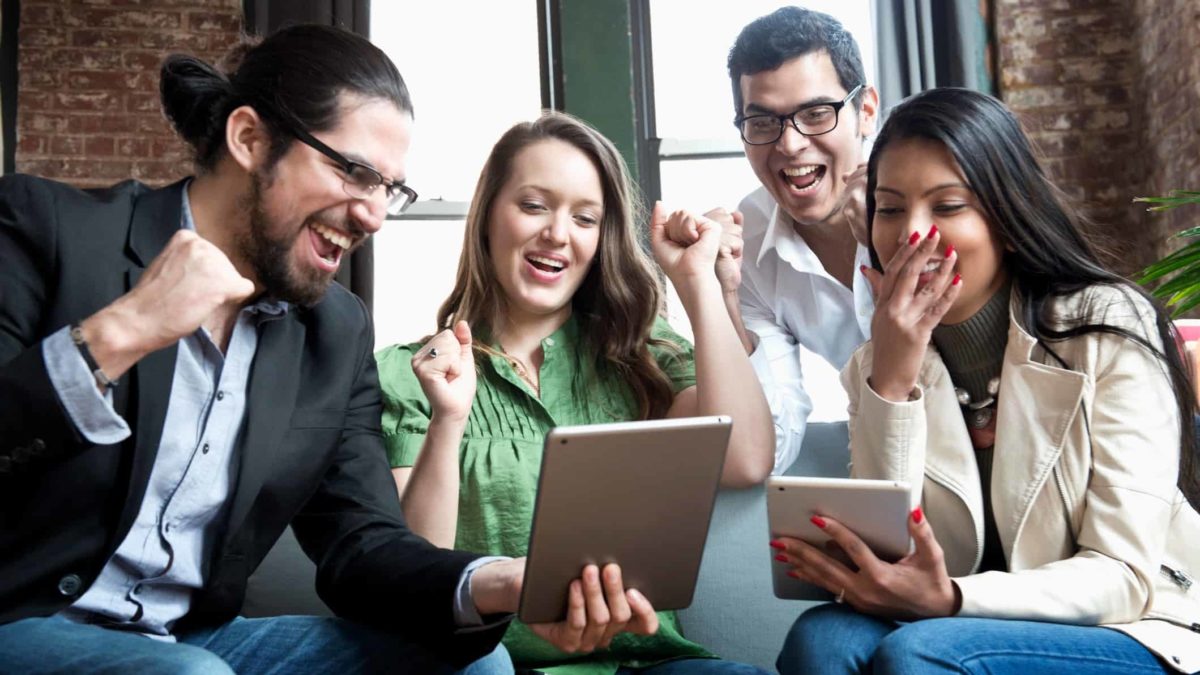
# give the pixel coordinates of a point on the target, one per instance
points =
(791, 304)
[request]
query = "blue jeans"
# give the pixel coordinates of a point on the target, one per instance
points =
(286, 644)
(833, 638)
(697, 666)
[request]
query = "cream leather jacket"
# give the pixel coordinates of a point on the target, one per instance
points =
(1084, 474)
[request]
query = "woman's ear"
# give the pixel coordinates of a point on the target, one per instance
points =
(247, 138)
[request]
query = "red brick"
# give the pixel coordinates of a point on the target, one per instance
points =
(70, 146)
(95, 100)
(141, 60)
(121, 18)
(223, 22)
(99, 146)
(30, 144)
(38, 15)
(85, 59)
(105, 37)
(101, 124)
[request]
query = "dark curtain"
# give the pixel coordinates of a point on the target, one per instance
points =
(266, 16)
(931, 43)
(9, 15)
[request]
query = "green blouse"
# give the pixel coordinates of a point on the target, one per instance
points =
(501, 455)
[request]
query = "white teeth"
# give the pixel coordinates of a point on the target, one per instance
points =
(550, 262)
(932, 266)
(801, 171)
(332, 236)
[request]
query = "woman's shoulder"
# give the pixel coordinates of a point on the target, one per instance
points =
(396, 374)
(1114, 304)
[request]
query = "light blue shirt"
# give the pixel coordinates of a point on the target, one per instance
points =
(148, 583)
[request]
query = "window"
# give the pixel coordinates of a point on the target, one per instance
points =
(470, 81)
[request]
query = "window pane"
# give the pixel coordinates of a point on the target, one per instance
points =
(415, 264)
(470, 80)
(692, 95)
(702, 184)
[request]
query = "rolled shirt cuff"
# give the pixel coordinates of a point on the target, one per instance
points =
(91, 412)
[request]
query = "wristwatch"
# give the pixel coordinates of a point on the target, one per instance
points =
(77, 337)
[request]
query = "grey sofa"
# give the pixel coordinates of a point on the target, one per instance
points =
(734, 612)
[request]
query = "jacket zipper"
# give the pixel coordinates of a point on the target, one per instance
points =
(1062, 492)
(1180, 578)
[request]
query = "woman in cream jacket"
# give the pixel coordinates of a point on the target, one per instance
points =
(1025, 394)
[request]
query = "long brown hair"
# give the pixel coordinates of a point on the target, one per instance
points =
(619, 299)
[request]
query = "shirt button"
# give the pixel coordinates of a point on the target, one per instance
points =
(204, 449)
(220, 396)
(549, 342)
(70, 585)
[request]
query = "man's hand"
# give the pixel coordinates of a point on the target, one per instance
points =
(180, 289)
(854, 206)
(598, 605)
(729, 257)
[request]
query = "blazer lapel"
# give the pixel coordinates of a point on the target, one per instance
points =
(271, 396)
(1037, 406)
(157, 216)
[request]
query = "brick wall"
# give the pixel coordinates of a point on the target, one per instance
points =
(1108, 89)
(88, 108)
(1169, 44)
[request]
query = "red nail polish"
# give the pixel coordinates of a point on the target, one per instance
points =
(949, 251)
(818, 521)
(916, 236)
(932, 231)
(862, 268)
(917, 515)
(777, 545)
(792, 574)
(781, 558)
(957, 279)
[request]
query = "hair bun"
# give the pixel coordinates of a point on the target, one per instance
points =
(195, 98)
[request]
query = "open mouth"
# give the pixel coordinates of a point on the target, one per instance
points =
(803, 179)
(544, 267)
(329, 244)
(931, 268)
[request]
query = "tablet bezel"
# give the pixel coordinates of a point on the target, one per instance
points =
(875, 510)
(640, 494)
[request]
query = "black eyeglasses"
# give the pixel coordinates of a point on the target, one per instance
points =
(814, 119)
(361, 180)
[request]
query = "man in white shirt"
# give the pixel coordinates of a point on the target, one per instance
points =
(803, 111)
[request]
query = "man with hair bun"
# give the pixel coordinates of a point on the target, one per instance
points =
(179, 382)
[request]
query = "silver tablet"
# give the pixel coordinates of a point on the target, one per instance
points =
(875, 510)
(639, 494)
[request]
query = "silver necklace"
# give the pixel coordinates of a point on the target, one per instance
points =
(979, 413)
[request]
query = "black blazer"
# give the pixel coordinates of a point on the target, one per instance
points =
(311, 452)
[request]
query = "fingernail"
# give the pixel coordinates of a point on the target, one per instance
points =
(862, 268)
(777, 545)
(932, 231)
(949, 251)
(957, 279)
(916, 236)
(917, 515)
(792, 574)
(818, 521)
(781, 558)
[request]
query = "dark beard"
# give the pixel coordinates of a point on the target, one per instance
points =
(269, 255)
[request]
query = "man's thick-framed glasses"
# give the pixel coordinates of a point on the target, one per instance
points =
(814, 119)
(361, 180)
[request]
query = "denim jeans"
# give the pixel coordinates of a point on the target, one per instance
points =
(698, 667)
(286, 644)
(833, 638)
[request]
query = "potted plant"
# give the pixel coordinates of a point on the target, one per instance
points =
(1182, 291)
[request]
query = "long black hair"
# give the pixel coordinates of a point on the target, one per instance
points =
(1047, 254)
(292, 79)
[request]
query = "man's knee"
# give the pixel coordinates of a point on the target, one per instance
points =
(179, 659)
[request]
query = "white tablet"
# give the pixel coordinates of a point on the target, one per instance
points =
(639, 494)
(875, 510)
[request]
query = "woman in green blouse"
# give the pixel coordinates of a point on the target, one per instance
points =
(554, 320)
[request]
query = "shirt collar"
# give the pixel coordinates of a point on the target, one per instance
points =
(263, 305)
